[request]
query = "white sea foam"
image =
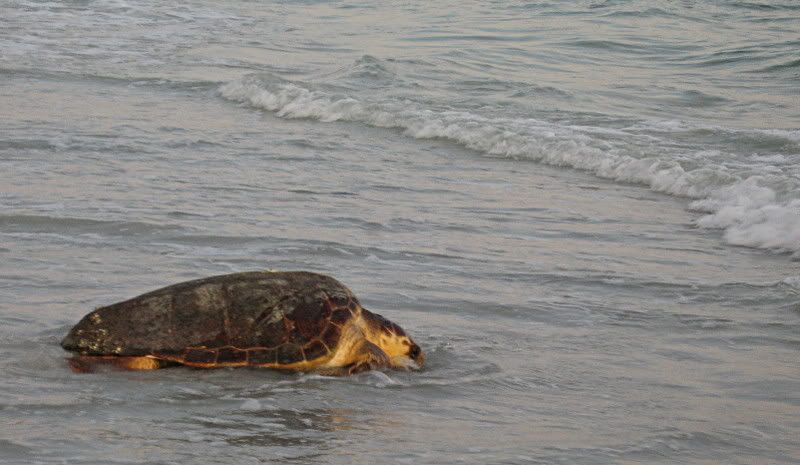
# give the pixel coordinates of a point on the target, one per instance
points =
(755, 206)
(381, 379)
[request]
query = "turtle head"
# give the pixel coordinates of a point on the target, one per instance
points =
(403, 352)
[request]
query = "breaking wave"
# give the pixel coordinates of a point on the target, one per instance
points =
(757, 205)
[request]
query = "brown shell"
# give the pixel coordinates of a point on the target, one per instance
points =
(253, 318)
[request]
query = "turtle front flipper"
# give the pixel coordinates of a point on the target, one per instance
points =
(372, 358)
(365, 356)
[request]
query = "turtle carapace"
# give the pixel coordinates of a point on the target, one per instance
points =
(297, 321)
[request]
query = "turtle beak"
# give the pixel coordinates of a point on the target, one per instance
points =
(415, 353)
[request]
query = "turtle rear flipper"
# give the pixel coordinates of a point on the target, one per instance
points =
(94, 363)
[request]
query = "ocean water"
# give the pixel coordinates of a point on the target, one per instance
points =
(587, 213)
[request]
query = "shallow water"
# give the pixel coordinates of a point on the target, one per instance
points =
(587, 214)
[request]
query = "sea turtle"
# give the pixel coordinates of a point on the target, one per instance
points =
(297, 321)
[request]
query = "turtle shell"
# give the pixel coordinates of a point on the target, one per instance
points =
(255, 318)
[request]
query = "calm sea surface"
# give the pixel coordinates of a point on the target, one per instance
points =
(587, 213)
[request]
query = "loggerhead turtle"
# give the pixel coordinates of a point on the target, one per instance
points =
(296, 321)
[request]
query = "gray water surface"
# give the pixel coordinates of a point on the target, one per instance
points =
(587, 213)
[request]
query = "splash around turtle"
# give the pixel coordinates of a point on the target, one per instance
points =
(295, 321)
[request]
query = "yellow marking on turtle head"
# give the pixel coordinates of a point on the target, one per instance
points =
(402, 351)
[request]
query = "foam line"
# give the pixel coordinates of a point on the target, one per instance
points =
(754, 209)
